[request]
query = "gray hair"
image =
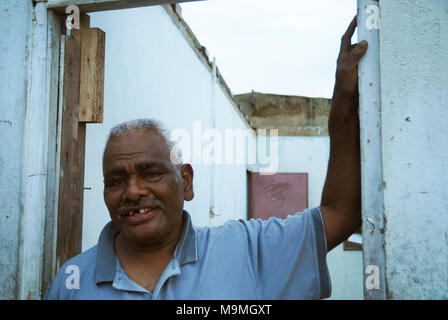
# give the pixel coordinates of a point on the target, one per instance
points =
(147, 125)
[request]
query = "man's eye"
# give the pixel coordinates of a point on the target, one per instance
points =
(152, 175)
(115, 182)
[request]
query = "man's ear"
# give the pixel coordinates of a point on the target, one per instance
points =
(187, 177)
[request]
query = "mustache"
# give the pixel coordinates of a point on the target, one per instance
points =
(140, 204)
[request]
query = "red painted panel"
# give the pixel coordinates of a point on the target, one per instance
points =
(277, 195)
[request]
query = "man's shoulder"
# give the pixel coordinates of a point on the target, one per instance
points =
(81, 266)
(226, 227)
(255, 227)
(84, 260)
(229, 235)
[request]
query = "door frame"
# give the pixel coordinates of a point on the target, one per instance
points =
(39, 220)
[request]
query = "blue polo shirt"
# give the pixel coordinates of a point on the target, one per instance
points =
(255, 259)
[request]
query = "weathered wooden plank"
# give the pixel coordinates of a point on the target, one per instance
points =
(101, 5)
(71, 183)
(34, 162)
(92, 76)
(54, 47)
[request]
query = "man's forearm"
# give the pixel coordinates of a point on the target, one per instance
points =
(342, 189)
(341, 196)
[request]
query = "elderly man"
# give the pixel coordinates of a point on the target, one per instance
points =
(151, 250)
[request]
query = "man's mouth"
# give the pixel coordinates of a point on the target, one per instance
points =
(138, 212)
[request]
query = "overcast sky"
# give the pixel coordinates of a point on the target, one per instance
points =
(273, 46)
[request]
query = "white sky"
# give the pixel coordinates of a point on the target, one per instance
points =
(273, 46)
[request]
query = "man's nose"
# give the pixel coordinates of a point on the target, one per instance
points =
(136, 188)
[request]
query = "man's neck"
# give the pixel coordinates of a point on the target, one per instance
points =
(144, 265)
(149, 253)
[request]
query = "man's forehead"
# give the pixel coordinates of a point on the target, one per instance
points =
(137, 143)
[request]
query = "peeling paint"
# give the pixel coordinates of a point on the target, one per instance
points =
(6, 122)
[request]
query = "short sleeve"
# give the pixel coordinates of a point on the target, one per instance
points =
(288, 256)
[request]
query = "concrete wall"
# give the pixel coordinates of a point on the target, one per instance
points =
(154, 70)
(16, 27)
(291, 115)
(414, 95)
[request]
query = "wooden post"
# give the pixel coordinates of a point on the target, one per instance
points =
(92, 76)
(71, 184)
(82, 103)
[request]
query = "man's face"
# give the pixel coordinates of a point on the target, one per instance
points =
(143, 190)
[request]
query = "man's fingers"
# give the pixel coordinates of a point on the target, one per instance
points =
(357, 53)
(346, 38)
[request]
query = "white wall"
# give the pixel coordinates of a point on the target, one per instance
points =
(311, 154)
(229, 180)
(15, 46)
(306, 154)
(30, 38)
(414, 95)
(151, 71)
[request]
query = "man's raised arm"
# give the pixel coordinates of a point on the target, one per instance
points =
(341, 196)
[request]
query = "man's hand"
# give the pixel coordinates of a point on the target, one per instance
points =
(341, 197)
(345, 94)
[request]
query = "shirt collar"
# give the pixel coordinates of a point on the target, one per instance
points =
(186, 250)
